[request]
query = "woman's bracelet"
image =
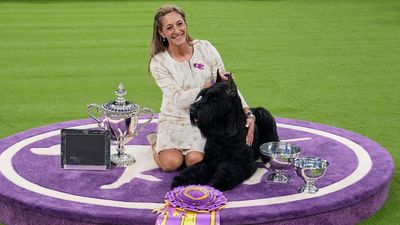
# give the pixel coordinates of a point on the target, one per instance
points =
(249, 114)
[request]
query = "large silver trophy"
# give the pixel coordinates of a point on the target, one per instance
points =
(121, 118)
(310, 169)
(280, 156)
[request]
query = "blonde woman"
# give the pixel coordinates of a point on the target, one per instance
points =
(181, 67)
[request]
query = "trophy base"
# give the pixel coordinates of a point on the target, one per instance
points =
(275, 177)
(308, 188)
(122, 160)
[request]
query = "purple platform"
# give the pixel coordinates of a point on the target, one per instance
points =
(35, 190)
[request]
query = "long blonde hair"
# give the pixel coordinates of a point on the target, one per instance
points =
(157, 45)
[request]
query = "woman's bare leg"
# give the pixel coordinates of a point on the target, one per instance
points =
(193, 157)
(168, 159)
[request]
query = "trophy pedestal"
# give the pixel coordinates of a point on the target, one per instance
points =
(312, 189)
(278, 177)
(122, 159)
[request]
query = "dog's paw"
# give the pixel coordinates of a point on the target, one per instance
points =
(222, 185)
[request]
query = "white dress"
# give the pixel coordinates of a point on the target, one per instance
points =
(180, 82)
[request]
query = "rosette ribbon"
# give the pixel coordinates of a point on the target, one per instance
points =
(191, 205)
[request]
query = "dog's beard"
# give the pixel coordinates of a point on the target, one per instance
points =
(212, 110)
(203, 119)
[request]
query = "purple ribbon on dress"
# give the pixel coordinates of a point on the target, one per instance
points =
(199, 66)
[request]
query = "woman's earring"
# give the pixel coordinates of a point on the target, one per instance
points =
(164, 41)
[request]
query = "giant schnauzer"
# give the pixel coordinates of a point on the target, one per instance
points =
(228, 161)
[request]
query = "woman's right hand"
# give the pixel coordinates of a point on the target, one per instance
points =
(207, 84)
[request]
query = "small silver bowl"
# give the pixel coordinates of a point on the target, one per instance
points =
(280, 156)
(310, 169)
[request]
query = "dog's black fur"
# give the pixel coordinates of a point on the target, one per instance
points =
(228, 161)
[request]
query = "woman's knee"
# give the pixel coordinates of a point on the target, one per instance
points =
(170, 160)
(193, 157)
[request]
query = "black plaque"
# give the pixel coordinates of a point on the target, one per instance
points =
(85, 149)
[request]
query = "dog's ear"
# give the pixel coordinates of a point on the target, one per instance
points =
(219, 79)
(231, 86)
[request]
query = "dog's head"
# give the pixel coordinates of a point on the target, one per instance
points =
(216, 107)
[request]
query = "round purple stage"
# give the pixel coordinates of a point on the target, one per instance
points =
(35, 190)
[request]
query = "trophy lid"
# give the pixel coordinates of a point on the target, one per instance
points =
(120, 108)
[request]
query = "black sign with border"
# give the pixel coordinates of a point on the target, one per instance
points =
(85, 149)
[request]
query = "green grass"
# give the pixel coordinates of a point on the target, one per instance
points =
(332, 62)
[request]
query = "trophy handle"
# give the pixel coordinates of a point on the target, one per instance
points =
(142, 112)
(90, 108)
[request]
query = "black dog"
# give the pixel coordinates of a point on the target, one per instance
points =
(228, 161)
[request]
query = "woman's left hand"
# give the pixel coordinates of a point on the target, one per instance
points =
(250, 131)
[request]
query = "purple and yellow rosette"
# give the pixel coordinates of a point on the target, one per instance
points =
(191, 205)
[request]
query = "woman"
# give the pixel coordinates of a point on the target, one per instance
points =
(181, 67)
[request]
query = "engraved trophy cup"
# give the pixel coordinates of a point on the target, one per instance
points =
(280, 156)
(121, 118)
(310, 169)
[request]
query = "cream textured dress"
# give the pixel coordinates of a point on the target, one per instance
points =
(180, 82)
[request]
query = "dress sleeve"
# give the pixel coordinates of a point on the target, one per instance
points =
(170, 89)
(216, 63)
(244, 103)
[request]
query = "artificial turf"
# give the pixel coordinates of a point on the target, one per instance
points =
(332, 62)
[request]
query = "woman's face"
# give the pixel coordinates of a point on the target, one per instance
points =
(173, 28)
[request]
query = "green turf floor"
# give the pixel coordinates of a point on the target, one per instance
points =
(332, 62)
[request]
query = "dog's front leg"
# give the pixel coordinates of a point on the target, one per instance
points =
(199, 173)
(230, 174)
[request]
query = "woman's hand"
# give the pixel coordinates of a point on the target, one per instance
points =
(207, 84)
(250, 130)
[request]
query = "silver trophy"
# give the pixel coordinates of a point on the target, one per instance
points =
(310, 169)
(280, 156)
(121, 118)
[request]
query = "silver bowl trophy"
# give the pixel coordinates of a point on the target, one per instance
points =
(280, 155)
(121, 118)
(310, 169)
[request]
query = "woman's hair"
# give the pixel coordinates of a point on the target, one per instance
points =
(157, 45)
